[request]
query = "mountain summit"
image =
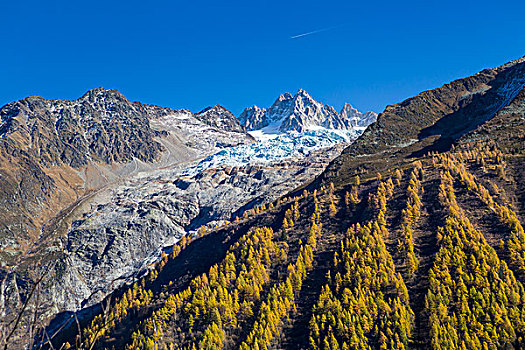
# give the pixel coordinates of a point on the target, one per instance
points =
(221, 118)
(355, 119)
(300, 112)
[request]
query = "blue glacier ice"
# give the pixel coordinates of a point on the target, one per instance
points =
(281, 147)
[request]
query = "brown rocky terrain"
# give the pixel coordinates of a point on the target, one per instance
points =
(431, 121)
(48, 148)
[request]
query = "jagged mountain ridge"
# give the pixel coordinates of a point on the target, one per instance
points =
(300, 112)
(44, 143)
(74, 132)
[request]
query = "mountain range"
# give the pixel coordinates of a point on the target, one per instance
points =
(293, 227)
(300, 112)
(95, 188)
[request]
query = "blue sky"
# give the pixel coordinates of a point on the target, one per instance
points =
(193, 54)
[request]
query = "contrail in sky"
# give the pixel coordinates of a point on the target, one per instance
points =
(313, 32)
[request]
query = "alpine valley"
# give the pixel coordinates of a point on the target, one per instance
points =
(294, 226)
(96, 190)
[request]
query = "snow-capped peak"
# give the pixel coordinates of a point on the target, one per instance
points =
(355, 119)
(300, 112)
(302, 92)
(283, 97)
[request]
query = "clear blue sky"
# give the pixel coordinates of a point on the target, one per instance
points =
(191, 54)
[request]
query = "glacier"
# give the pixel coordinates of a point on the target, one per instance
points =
(276, 147)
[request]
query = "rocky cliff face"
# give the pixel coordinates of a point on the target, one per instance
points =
(254, 118)
(46, 146)
(301, 112)
(51, 151)
(102, 126)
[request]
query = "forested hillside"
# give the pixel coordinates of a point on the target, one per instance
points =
(420, 246)
(430, 254)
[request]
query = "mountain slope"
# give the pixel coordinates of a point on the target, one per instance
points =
(419, 251)
(128, 210)
(432, 120)
(45, 146)
(449, 111)
(59, 159)
(393, 254)
(53, 152)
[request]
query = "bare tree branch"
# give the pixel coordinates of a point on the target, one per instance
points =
(49, 340)
(19, 316)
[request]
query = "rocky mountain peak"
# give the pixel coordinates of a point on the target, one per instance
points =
(213, 109)
(353, 118)
(100, 94)
(302, 93)
(101, 125)
(253, 118)
(284, 97)
(221, 118)
(302, 99)
(347, 107)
